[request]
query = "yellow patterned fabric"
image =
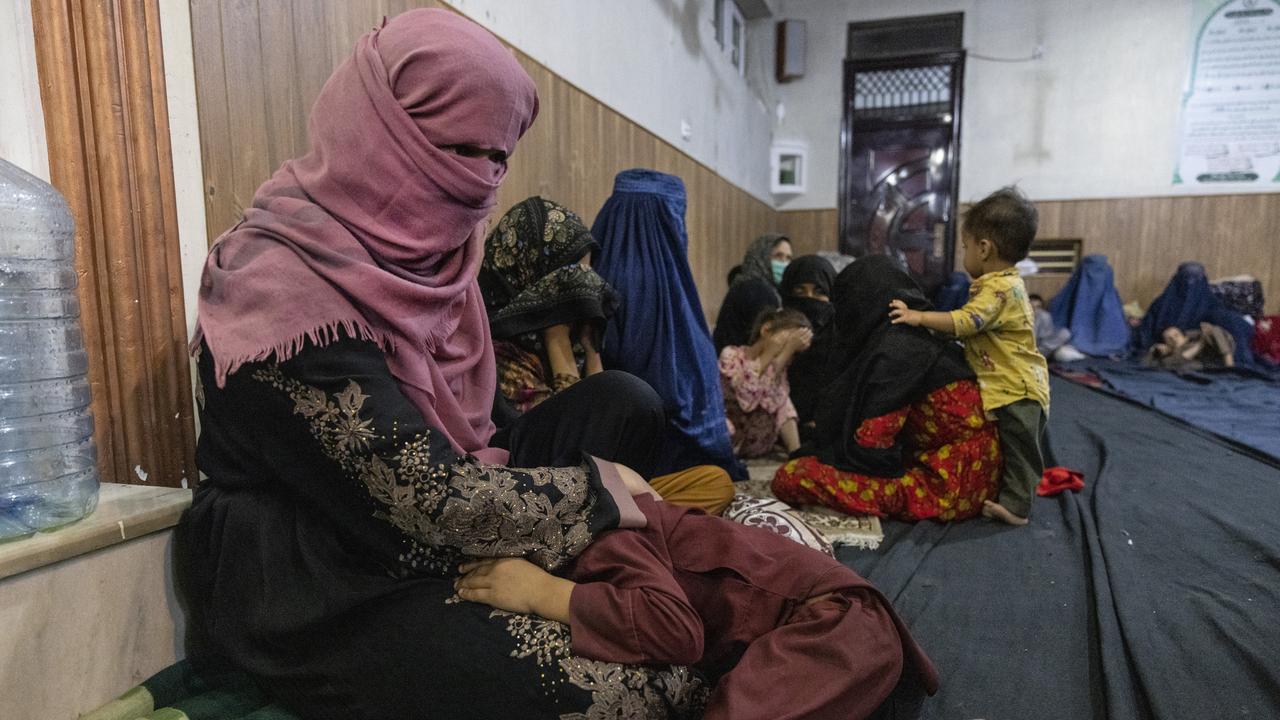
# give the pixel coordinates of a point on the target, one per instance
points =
(997, 327)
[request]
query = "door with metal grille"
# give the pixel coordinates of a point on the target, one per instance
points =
(900, 147)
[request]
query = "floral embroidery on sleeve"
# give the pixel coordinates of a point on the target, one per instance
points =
(447, 509)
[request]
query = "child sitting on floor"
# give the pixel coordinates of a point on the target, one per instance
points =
(783, 630)
(1051, 340)
(757, 395)
(997, 328)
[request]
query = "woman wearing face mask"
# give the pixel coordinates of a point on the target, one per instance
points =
(347, 378)
(753, 288)
(767, 259)
(806, 287)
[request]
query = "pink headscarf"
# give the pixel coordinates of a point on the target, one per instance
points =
(377, 230)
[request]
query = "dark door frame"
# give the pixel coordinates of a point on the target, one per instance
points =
(907, 118)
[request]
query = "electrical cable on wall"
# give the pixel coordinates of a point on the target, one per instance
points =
(1036, 54)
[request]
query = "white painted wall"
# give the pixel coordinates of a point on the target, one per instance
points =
(1096, 116)
(22, 139)
(657, 63)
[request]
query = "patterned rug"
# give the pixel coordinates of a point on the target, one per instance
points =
(860, 531)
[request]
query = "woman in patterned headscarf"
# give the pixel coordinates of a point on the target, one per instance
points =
(547, 307)
(753, 288)
(767, 259)
(547, 312)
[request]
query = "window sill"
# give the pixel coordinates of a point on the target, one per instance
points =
(124, 512)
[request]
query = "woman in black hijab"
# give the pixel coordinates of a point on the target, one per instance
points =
(806, 287)
(900, 430)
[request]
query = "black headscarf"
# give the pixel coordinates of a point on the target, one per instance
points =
(530, 277)
(875, 367)
(805, 374)
(757, 263)
(818, 272)
(742, 305)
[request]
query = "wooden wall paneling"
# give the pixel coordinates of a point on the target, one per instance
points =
(1272, 236)
(156, 357)
(275, 30)
(586, 152)
(309, 37)
(810, 230)
(213, 116)
(102, 85)
(247, 96)
(1144, 238)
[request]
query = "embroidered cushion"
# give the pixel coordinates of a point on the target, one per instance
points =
(774, 515)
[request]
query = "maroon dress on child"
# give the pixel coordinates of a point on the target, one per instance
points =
(731, 600)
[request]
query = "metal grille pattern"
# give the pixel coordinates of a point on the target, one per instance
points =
(902, 88)
(1056, 256)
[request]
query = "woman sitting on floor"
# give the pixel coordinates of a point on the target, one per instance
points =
(1089, 308)
(659, 333)
(346, 384)
(1187, 302)
(806, 286)
(753, 377)
(547, 313)
(901, 432)
(753, 288)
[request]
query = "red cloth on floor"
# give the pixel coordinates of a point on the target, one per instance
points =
(1058, 479)
(1266, 338)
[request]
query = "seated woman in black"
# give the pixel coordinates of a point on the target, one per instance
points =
(347, 377)
(806, 286)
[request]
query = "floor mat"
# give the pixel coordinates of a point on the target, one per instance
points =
(1243, 407)
(841, 530)
(1152, 593)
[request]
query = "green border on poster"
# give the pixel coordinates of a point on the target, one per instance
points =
(1202, 12)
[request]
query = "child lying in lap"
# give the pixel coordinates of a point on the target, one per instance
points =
(788, 631)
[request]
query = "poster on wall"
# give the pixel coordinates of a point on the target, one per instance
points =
(1230, 128)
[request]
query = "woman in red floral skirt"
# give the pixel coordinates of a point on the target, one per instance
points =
(901, 432)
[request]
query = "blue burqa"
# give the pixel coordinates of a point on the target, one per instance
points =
(1089, 306)
(659, 333)
(1186, 302)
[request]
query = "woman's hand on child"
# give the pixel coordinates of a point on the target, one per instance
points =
(900, 314)
(515, 585)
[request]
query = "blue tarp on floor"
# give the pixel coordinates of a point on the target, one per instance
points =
(1241, 406)
(1153, 593)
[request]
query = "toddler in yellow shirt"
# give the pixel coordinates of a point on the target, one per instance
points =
(997, 327)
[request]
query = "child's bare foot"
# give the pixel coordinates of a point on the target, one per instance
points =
(996, 511)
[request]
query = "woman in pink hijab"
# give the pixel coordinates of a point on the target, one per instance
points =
(347, 380)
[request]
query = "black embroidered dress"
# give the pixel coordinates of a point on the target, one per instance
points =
(319, 554)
